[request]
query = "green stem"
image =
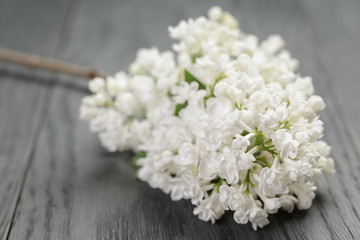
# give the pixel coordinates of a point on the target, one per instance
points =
(247, 182)
(212, 87)
(218, 184)
(285, 125)
(262, 162)
(264, 144)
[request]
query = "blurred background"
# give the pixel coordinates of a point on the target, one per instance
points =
(57, 182)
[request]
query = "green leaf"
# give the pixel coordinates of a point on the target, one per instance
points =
(195, 56)
(137, 157)
(179, 107)
(190, 78)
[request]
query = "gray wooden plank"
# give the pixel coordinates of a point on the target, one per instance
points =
(75, 190)
(333, 40)
(22, 91)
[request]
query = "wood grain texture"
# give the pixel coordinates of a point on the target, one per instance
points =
(75, 190)
(22, 93)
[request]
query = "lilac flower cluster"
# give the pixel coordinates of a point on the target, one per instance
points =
(226, 122)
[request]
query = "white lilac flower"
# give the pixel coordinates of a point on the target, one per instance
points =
(326, 165)
(258, 217)
(223, 120)
(305, 194)
(271, 205)
(241, 142)
(285, 144)
(287, 202)
(209, 208)
(232, 198)
(271, 180)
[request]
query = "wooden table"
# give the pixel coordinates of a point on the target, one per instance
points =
(57, 182)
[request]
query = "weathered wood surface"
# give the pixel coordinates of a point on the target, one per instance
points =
(26, 27)
(57, 182)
